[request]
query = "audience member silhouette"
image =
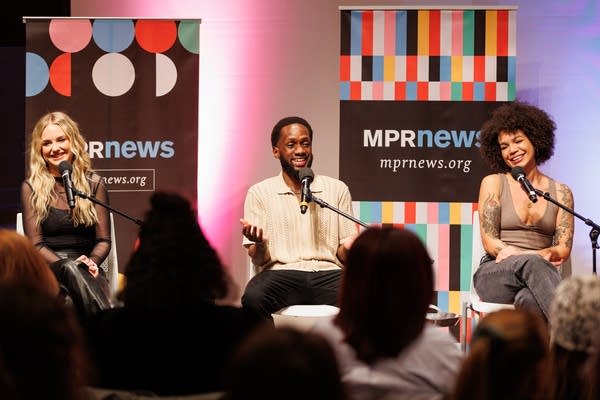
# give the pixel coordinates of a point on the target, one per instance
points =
(592, 371)
(508, 358)
(169, 337)
(283, 363)
(22, 263)
(383, 343)
(42, 349)
(574, 324)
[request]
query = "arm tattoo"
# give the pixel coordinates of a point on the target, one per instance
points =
(564, 229)
(490, 221)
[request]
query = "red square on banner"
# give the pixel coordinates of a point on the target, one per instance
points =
(400, 91)
(479, 68)
(422, 91)
(490, 91)
(344, 68)
(502, 36)
(411, 68)
(355, 90)
(434, 33)
(410, 212)
(367, 33)
(467, 90)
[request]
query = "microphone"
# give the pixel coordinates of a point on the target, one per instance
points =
(65, 169)
(306, 177)
(518, 173)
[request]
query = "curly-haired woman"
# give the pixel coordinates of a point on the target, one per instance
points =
(526, 239)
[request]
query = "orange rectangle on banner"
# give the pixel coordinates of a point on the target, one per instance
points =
(344, 68)
(367, 33)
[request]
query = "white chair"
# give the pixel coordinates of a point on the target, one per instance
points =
(302, 316)
(110, 263)
(474, 305)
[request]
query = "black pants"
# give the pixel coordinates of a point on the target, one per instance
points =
(271, 290)
(87, 294)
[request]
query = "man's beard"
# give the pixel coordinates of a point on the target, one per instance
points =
(289, 169)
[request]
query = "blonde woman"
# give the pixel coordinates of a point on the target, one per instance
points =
(82, 233)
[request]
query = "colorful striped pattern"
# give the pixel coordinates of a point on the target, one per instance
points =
(428, 55)
(447, 231)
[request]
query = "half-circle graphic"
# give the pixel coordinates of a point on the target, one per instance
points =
(36, 74)
(166, 75)
(60, 74)
(189, 35)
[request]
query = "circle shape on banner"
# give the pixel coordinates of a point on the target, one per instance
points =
(113, 35)
(70, 35)
(189, 36)
(166, 75)
(155, 36)
(36, 74)
(113, 74)
(60, 74)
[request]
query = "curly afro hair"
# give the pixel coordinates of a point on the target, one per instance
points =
(535, 123)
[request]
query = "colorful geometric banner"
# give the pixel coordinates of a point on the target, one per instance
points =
(415, 87)
(428, 55)
(132, 86)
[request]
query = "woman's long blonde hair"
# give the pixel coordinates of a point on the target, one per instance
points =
(42, 181)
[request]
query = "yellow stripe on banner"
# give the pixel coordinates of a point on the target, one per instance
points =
(455, 212)
(454, 303)
(389, 68)
(423, 33)
(491, 33)
(387, 212)
(456, 68)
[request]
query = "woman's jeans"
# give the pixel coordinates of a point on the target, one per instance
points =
(526, 280)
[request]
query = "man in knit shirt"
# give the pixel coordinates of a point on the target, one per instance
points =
(298, 256)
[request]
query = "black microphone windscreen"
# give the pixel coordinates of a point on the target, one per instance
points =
(64, 166)
(306, 173)
(516, 172)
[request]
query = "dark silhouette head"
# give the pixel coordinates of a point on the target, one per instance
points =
(42, 350)
(386, 289)
(174, 264)
(22, 263)
(283, 363)
(508, 358)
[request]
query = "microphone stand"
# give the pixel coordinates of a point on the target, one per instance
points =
(96, 201)
(324, 204)
(595, 231)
